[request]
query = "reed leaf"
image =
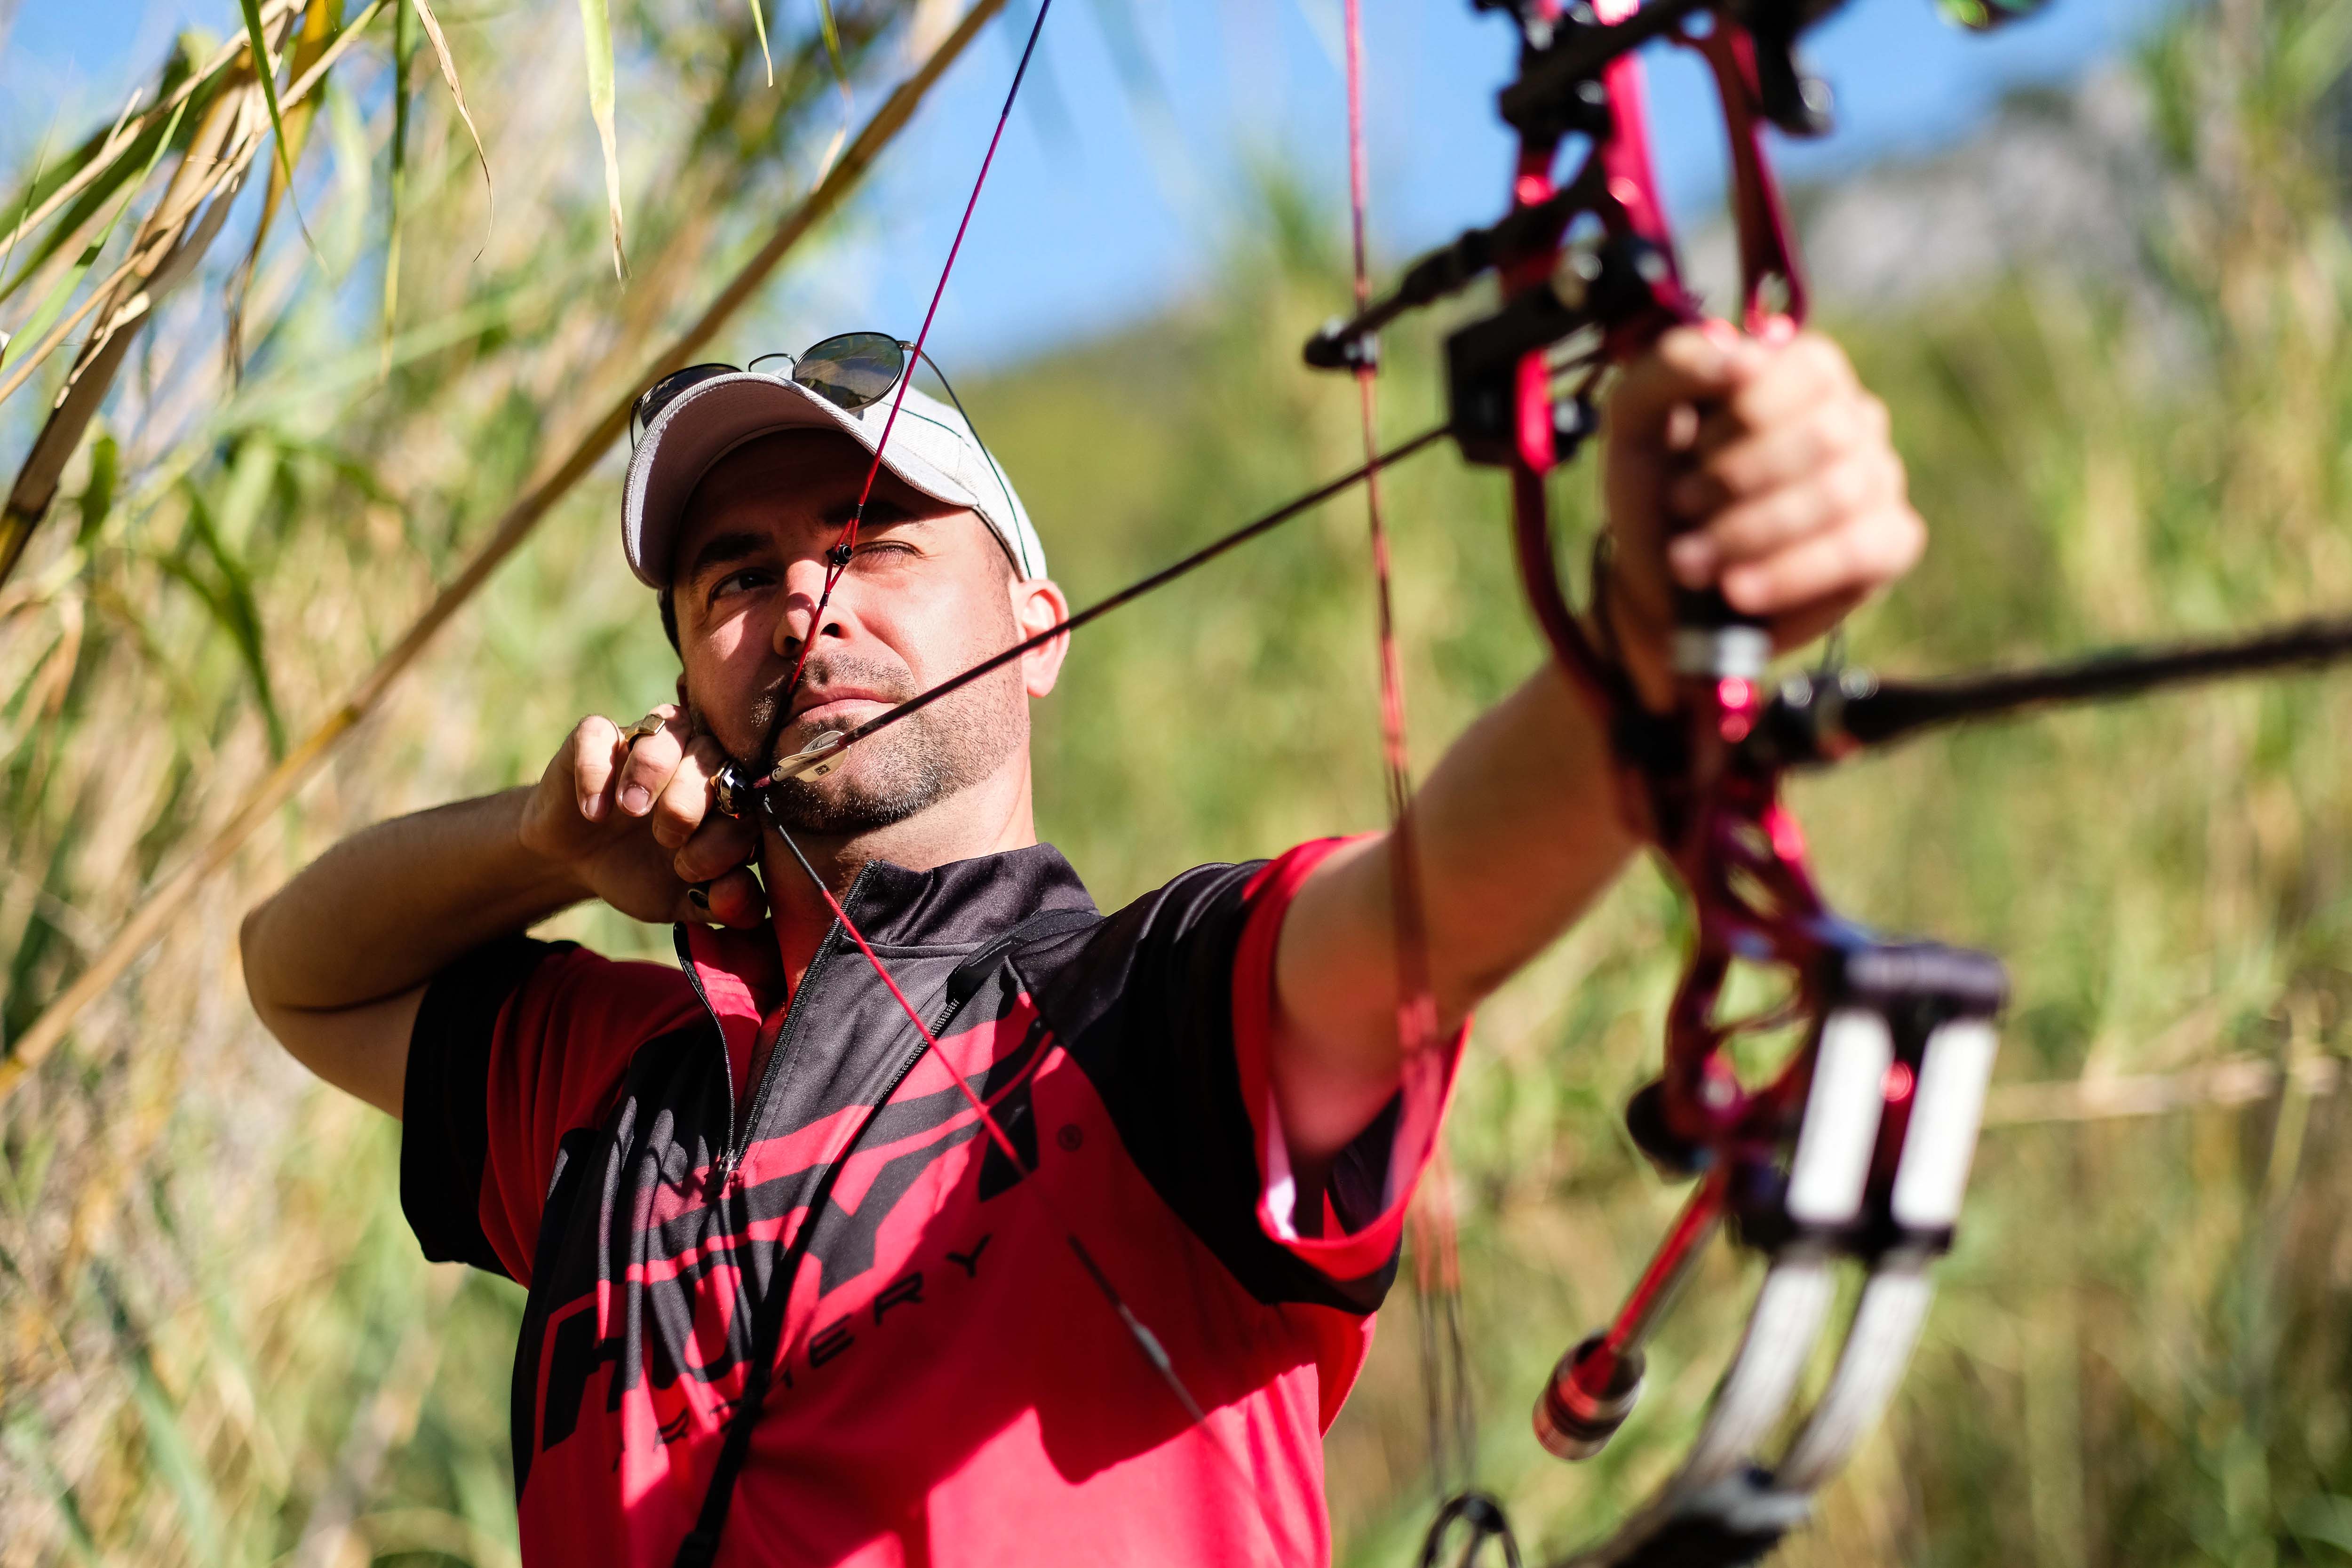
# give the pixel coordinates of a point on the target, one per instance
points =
(432, 26)
(265, 72)
(320, 23)
(53, 303)
(759, 26)
(227, 596)
(597, 36)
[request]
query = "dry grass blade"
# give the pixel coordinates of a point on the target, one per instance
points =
(166, 249)
(226, 59)
(596, 37)
(457, 92)
(164, 902)
(46, 313)
(25, 366)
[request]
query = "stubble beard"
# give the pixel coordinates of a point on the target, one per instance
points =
(906, 769)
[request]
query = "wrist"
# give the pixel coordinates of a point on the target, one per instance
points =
(543, 873)
(1635, 643)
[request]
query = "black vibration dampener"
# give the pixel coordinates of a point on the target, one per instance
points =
(1575, 1419)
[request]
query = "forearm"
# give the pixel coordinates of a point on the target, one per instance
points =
(386, 908)
(1516, 832)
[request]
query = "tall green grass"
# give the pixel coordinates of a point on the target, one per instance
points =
(216, 1345)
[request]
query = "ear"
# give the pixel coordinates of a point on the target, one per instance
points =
(1039, 603)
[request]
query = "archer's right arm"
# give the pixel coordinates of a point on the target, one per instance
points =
(337, 960)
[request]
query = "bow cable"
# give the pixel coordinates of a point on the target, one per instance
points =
(1452, 1426)
(837, 558)
(826, 748)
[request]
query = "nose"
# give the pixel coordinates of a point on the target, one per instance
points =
(804, 593)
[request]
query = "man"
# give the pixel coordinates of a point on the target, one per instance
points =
(1196, 1106)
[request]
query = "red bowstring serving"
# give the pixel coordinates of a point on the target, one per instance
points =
(1436, 1266)
(837, 559)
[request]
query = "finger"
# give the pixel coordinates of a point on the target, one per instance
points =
(1787, 381)
(684, 800)
(653, 758)
(595, 745)
(1687, 366)
(1754, 529)
(1781, 453)
(1801, 626)
(714, 848)
(1864, 552)
(732, 898)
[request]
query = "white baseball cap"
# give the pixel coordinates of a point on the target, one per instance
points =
(932, 447)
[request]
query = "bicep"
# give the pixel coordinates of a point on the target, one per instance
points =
(1333, 1057)
(362, 1050)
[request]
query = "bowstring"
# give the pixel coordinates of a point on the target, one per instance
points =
(844, 546)
(1452, 1426)
(838, 559)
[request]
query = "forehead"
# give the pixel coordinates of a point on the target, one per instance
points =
(790, 478)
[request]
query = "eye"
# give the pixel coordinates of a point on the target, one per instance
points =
(746, 580)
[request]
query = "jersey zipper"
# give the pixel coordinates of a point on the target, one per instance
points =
(740, 1130)
(739, 1137)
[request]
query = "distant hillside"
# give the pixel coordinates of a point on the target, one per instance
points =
(2054, 182)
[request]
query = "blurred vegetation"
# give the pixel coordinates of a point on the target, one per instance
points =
(216, 1343)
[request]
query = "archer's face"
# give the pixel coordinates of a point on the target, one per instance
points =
(928, 593)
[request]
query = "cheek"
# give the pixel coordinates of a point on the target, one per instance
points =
(936, 628)
(724, 663)
(737, 640)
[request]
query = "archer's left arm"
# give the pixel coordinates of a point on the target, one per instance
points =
(1764, 471)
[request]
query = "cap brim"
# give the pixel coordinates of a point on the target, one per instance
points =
(710, 419)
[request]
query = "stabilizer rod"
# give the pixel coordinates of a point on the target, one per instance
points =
(1823, 716)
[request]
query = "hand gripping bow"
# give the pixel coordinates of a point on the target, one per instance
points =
(1857, 1149)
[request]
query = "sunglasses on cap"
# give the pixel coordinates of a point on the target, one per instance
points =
(851, 371)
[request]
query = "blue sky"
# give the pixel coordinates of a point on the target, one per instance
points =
(1108, 199)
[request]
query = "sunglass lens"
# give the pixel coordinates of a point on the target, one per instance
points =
(662, 392)
(853, 370)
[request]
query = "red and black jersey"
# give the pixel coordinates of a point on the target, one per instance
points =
(950, 1388)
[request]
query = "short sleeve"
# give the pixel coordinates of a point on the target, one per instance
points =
(1168, 1005)
(1355, 1224)
(515, 1044)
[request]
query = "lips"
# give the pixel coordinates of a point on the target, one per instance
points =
(836, 703)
